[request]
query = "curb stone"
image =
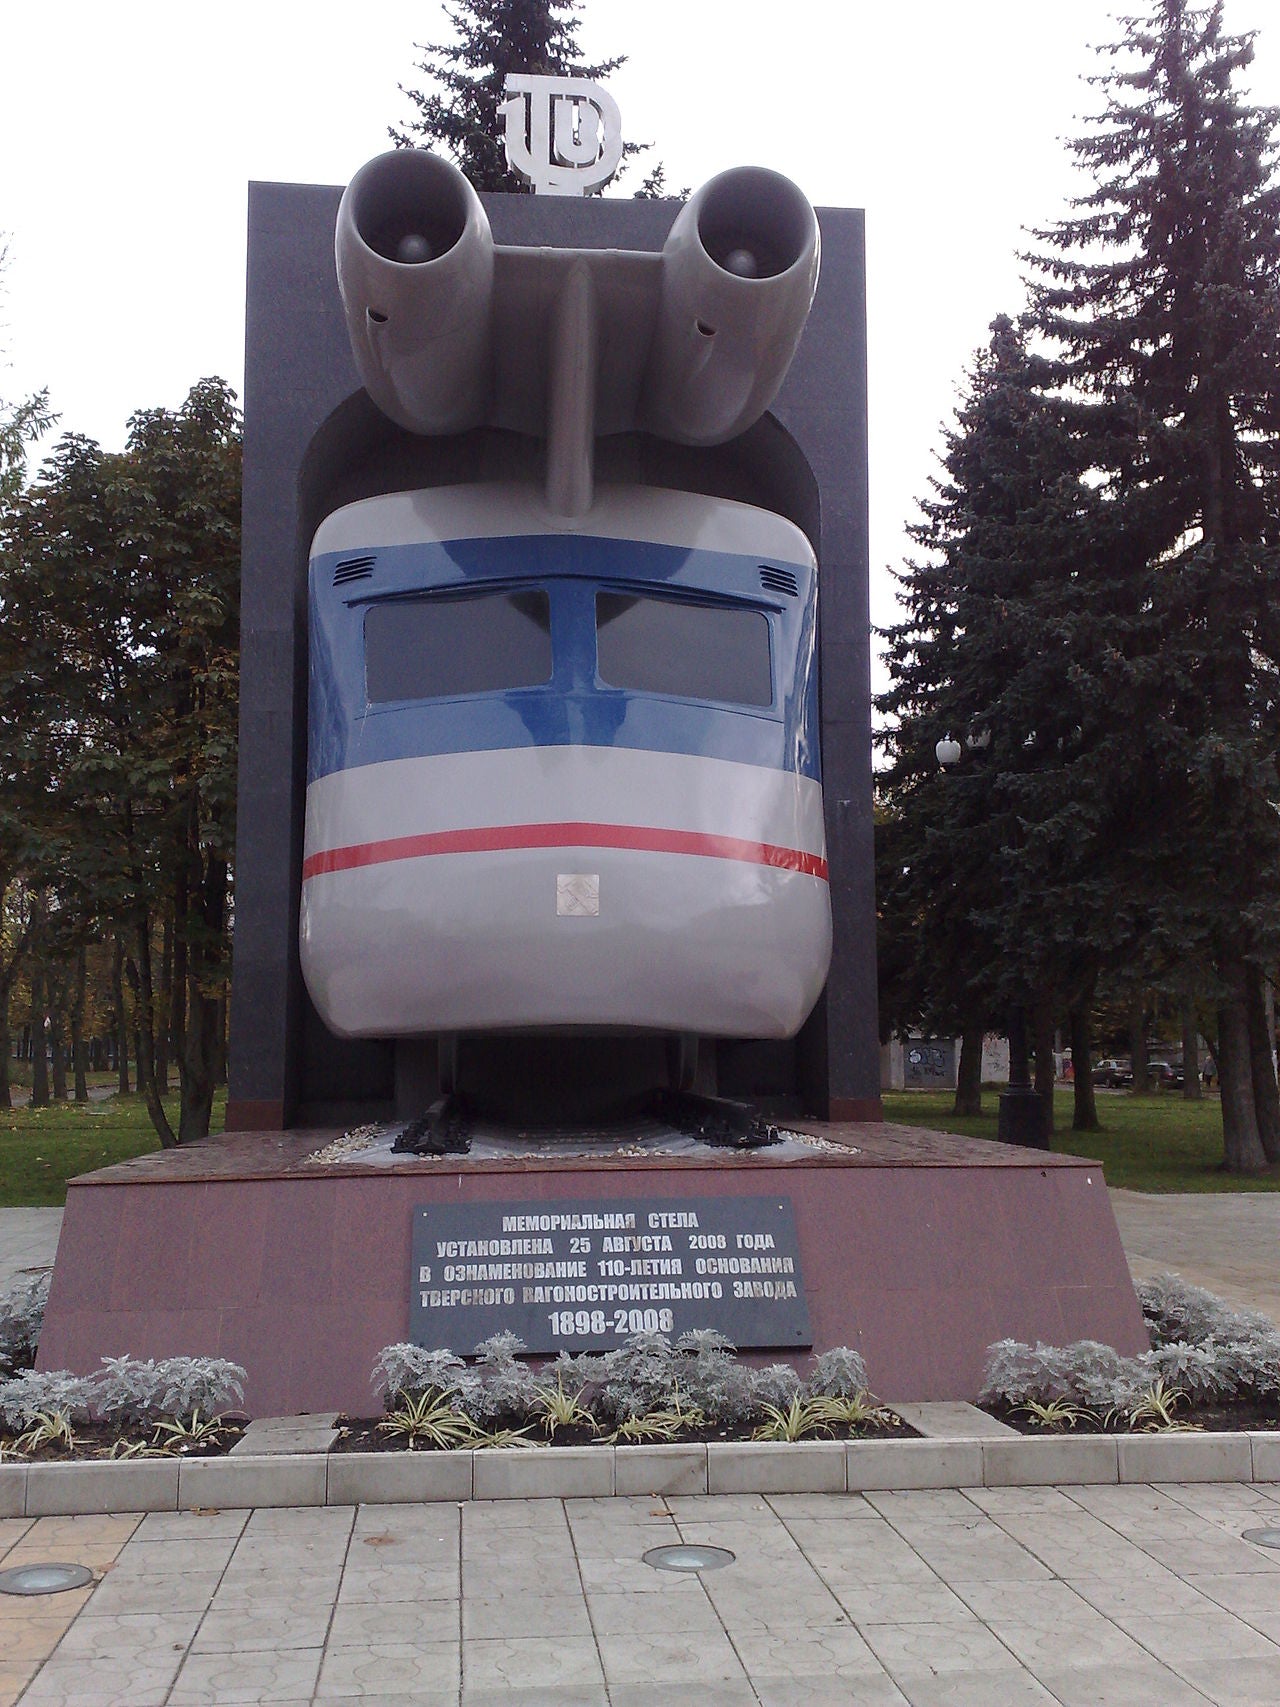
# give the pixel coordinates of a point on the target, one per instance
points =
(963, 1459)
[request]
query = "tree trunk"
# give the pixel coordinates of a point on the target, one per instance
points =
(39, 1061)
(6, 1046)
(1046, 1067)
(1138, 1042)
(121, 1018)
(969, 1072)
(220, 1060)
(77, 1027)
(160, 1032)
(139, 975)
(1191, 1087)
(1242, 1145)
(57, 1045)
(1084, 1114)
(202, 1040)
(1266, 1096)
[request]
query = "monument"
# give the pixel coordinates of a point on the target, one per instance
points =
(555, 798)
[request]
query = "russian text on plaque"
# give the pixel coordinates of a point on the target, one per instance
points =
(574, 1275)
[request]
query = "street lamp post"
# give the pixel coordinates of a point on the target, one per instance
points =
(1022, 1114)
(1023, 1118)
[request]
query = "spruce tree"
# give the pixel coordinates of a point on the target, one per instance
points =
(980, 864)
(1161, 299)
(457, 109)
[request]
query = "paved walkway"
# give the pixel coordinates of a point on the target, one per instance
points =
(1227, 1241)
(1088, 1597)
(28, 1239)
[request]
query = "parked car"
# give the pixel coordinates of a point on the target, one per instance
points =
(1113, 1074)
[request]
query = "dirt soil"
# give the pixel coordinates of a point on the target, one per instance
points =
(1213, 1419)
(361, 1434)
(99, 1440)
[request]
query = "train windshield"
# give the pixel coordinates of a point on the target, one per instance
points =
(438, 647)
(675, 646)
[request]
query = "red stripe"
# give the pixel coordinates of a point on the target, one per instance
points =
(508, 836)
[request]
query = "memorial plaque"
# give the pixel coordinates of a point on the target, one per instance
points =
(584, 1276)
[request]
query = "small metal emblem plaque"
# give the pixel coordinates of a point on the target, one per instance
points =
(578, 895)
(584, 1275)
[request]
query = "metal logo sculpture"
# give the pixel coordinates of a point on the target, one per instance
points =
(562, 135)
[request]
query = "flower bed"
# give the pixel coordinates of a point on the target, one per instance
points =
(1211, 1367)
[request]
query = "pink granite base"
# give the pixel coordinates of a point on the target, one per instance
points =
(919, 1256)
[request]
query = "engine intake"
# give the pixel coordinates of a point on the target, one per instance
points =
(415, 269)
(739, 270)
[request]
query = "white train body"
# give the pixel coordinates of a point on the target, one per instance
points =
(563, 773)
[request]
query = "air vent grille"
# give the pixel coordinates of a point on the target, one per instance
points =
(353, 569)
(779, 581)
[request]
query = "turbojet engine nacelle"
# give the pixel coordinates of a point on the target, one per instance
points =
(415, 269)
(739, 270)
(448, 329)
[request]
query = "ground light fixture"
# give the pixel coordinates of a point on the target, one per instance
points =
(684, 1556)
(44, 1578)
(1262, 1537)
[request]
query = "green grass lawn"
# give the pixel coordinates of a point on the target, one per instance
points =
(42, 1148)
(1148, 1143)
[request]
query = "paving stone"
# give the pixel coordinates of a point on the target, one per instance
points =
(912, 1650)
(76, 1682)
(674, 1659)
(225, 1680)
(523, 1616)
(1243, 1683)
(1146, 1684)
(532, 1663)
(167, 1591)
(1211, 1633)
(280, 1440)
(389, 1669)
(953, 1420)
(189, 1526)
(306, 1419)
(263, 1627)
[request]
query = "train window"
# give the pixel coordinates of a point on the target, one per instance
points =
(437, 647)
(675, 646)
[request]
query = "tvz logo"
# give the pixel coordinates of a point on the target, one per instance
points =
(562, 135)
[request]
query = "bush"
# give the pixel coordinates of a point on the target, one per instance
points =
(406, 1369)
(132, 1390)
(1200, 1345)
(22, 1305)
(24, 1399)
(837, 1374)
(644, 1375)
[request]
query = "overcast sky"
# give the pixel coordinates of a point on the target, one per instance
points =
(128, 132)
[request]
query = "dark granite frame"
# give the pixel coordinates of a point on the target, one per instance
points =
(313, 440)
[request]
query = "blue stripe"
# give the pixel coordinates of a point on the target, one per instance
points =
(574, 708)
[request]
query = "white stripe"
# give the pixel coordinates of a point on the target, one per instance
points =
(493, 511)
(569, 784)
